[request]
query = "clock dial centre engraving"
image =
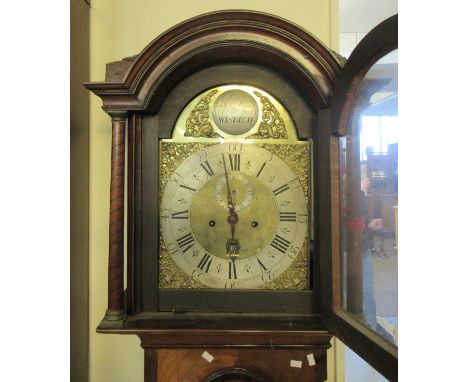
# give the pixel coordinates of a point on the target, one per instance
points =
(241, 189)
(250, 196)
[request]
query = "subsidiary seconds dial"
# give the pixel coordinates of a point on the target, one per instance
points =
(233, 216)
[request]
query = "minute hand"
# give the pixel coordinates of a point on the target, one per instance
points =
(229, 197)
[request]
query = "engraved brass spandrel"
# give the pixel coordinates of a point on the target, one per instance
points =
(297, 157)
(198, 123)
(172, 154)
(295, 276)
(272, 125)
(170, 275)
(198, 120)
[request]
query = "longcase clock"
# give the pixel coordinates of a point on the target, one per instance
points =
(230, 201)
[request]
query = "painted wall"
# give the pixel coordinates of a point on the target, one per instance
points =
(79, 190)
(122, 28)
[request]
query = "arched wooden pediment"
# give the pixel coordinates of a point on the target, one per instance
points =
(221, 37)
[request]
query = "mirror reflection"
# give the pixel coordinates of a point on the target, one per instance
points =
(369, 201)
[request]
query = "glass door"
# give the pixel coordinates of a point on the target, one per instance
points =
(362, 277)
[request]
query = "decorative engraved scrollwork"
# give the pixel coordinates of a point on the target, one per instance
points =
(172, 154)
(198, 124)
(272, 125)
(170, 275)
(296, 156)
(295, 277)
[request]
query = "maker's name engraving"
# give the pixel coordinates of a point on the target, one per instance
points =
(237, 120)
(235, 112)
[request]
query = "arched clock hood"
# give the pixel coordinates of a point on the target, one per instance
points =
(141, 82)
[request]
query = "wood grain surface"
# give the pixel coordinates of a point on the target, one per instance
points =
(116, 219)
(189, 365)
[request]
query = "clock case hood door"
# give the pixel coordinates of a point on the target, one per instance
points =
(334, 123)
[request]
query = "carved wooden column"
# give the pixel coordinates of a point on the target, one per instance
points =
(116, 312)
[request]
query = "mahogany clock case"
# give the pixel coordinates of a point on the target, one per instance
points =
(144, 95)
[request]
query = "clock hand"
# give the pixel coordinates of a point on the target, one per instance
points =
(232, 245)
(229, 197)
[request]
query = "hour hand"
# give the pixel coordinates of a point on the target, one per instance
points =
(232, 247)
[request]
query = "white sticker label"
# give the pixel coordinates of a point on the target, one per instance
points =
(311, 359)
(207, 356)
(295, 363)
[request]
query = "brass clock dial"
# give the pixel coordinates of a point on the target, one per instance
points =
(234, 215)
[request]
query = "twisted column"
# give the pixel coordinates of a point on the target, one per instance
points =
(116, 305)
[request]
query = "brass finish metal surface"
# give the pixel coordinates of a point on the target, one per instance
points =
(235, 112)
(295, 156)
(245, 223)
(272, 125)
(198, 122)
(205, 210)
